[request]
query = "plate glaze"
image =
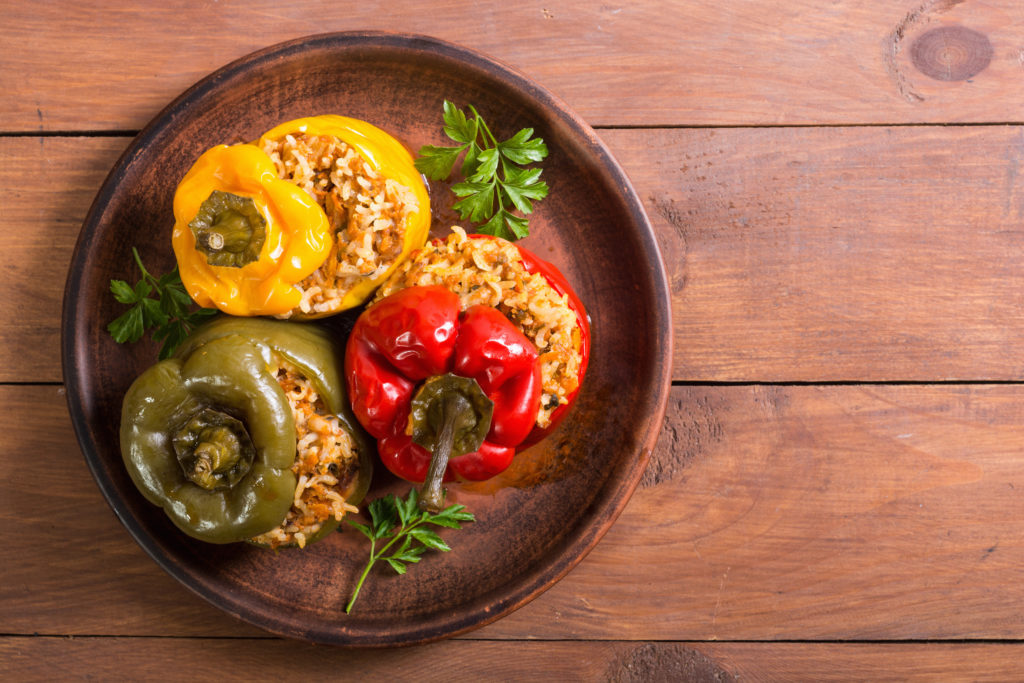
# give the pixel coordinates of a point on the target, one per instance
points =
(536, 521)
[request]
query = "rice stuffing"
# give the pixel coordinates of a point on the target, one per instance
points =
(326, 462)
(491, 272)
(367, 213)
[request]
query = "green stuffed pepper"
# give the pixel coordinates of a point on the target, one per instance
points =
(246, 435)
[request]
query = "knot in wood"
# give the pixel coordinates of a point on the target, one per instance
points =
(951, 53)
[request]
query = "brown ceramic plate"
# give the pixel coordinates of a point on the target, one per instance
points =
(540, 518)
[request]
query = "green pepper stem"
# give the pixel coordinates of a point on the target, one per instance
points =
(214, 449)
(449, 416)
(432, 492)
(229, 230)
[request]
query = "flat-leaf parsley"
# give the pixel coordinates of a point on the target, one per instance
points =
(170, 314)
(496, 180)
(402, 520)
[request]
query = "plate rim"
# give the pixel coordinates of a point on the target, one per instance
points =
(575, 545)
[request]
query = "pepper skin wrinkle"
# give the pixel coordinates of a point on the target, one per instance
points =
(296, 241)
(228, 373)
(298, 234)
(225, 376)
(419, 334)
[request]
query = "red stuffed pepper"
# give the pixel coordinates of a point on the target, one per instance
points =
(475, 346)
(559, 284)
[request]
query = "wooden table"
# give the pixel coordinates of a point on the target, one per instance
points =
(838, 489)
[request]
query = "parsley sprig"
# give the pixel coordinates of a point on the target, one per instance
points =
(497, 181)
(170, 313)
(397, 520)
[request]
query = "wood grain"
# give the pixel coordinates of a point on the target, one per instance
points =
(768, 513)
(700, 62)
(68, 566)
(39, 223)
(812, 254)
(812, 512)
(798, 254)
(614, 662)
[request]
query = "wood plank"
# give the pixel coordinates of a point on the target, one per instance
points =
(768, 513)
(854, 661)
(39, 223)
(644, 63)
(617, 662)
(794, 254)
(838, 254)
(802, 512)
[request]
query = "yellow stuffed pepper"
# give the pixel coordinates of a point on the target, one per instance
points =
(305, 222)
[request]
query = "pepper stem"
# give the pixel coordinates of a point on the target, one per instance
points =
(449, 416)
(229, 230)
(213, 449)
(432, 492)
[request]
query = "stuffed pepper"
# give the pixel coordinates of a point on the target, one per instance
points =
(304, 222)
(246, 435)
(473, 307)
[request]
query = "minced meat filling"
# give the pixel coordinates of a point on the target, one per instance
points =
(325, 464)
(367, 213)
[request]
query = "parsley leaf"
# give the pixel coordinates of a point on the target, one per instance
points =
(402, 520)
(496, 182)
(457, 126)
(521, 149)
(437, 162)
(170, 314)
